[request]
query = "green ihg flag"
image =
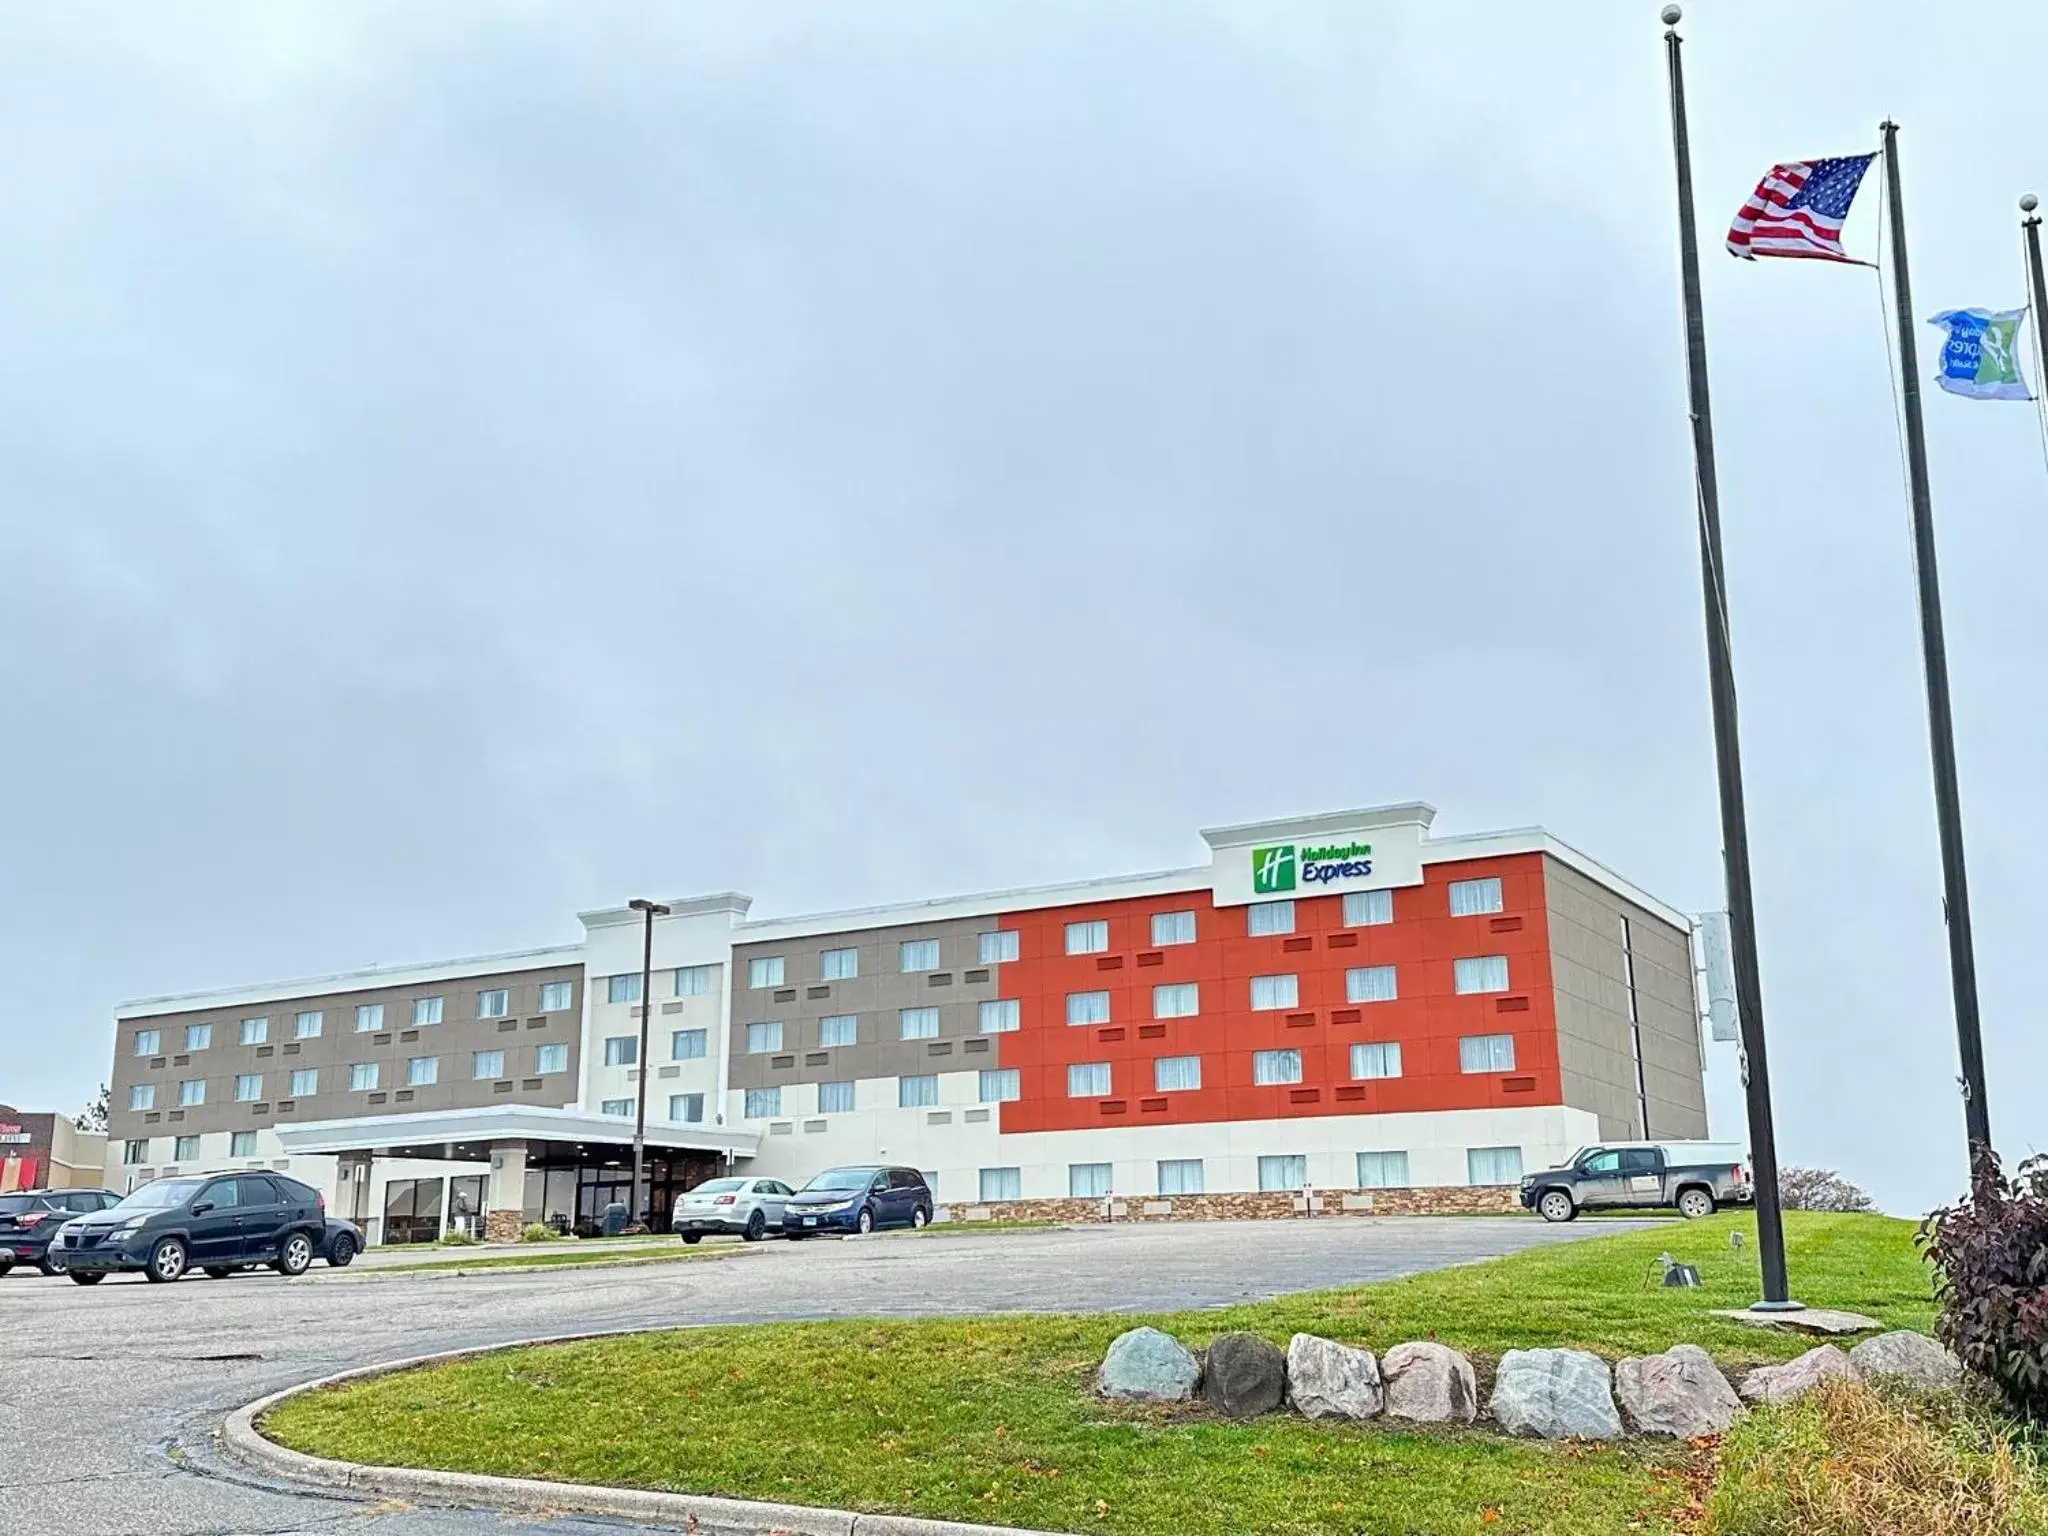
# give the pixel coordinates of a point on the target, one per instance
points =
(1981, 358)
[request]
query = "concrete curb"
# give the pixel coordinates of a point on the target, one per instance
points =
(241, 1442)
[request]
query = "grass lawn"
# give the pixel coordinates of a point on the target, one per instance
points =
(552, 1258)
(991, 1419)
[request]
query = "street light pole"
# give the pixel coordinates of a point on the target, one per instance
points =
(650, 910)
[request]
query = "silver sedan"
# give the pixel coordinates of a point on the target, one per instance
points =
(750, 1207)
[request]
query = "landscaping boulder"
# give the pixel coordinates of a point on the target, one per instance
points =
(1327, 1380)
(1782, 1383)
(1558, 1394)
(1147, 1366)
(1913, 1356)
(1429, 1383)
(1244, 1375)
(1680, 1392)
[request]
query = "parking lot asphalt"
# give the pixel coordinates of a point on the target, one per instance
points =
(110, 1395)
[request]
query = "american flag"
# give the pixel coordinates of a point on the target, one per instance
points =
(1797, 210)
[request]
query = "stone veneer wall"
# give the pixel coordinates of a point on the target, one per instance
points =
(1264, 1205)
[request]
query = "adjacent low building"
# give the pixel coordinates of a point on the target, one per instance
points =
(44, 1150)
(1340, 1009)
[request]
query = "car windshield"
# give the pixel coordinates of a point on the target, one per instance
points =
(161, 1195)
(719, 1186)
(843, 1178)
(14, 1205)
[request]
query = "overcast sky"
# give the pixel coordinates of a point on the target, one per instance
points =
(464, 463)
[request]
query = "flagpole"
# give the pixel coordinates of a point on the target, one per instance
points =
(1962, 960)
(1749, 1005)
(2037, 288)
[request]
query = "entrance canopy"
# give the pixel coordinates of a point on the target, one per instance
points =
(467, 1135)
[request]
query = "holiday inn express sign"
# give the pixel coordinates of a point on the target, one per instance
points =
(1320, 855)
(1277, 870)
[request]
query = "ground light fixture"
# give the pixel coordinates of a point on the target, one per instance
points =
(649, 910)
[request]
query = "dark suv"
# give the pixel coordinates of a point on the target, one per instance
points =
(29, 1218)
(219, 1223)
(858, 1200)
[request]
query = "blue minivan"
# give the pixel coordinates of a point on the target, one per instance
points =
(857, 1200)
(219, 1223)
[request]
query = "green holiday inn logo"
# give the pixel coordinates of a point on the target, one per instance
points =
(1272, 869)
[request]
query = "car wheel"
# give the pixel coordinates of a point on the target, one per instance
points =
(757, 1228)
(167, 1261)
(4, 1268)
(52, 1262)
(865, 1221)
(296, 1257)
(1695, 1203)
(693, 1237)
(920, 1217)
(341, 1252)
(78, 1279)
(1556, 1205)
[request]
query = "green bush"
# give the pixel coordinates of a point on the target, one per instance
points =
(1991, 1254)
(538, 1232)
(458, 1240)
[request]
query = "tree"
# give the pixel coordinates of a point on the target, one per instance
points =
(94, 1116)
(1819, 1189)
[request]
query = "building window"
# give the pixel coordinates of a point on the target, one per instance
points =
(1486, 1053)
(998, 946)
(425, 1011)
(917, 1092)
(142, 1096)
(918, 955)
(1087, 1007)
(1001, 1184)
(362, 1076)
(1493, 1165)
(620, 1107)
(148, 1042)
(550, 1058)
(1376, 1059)
(621, 1051)
(1000, 1016)
(765, 971)
(1172, 928)
(1088, 938)
(764, 1038)
(369, 1017)
(186, 1149)
(135, 1152)
(557, 996)
(1368, 909)
(493, 1003)
(1481, 973)
(1290, 1172)
(305, 1082)
(484, 1065)
(689, 1044)
(1264, 917)
(1087, 1181)
(1000, 1085)
(1176, 1074)
(918, 1023)
(198, 1037)
(241, 1144)
(839, 1029)
(1369, 984)
(839, 964)
(1269, 992)
(619, 989)
(1276, 1067)
(1181, 1176)
(1384, 1170)
(686, 1108)
(248, 1087)
(192, 1092)
(691, 981)
(422, 1071)
(1088, 1080)
(307, 1025)
(835, 1098)
(1470, 898)
(763, 1103)
(1177, 1000)
(255, 1031)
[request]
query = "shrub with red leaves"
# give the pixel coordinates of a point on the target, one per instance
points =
(1990, 1253)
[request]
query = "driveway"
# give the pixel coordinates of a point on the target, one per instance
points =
(109, 1396)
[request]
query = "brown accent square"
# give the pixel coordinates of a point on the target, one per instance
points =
(1110, 1034)
(1511, 1005)
(1304, 1095)
(507, 1026)
(785, 995)
(376, 1098)
(1301, 1020)
(266, 1050)
(403, 1096)
(1152, 1106)
(939, 1048)
(817, 991)
(383, 1039)
(1351, 1093)
(408, 1034)
(1346, 1016)
(1151, 957)
(817, 1058)
(1506, 925)
(529, 1084)
(782, 1061)
(1151, 1031)
(1115, 1107)
(939, 979)
(1341, 941)
(501, 1087)
(1300, 942)
(1518, 1085)
(979, 1043)
(1109, 962)
(978, 975)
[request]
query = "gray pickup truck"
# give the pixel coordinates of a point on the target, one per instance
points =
(1694, 1177)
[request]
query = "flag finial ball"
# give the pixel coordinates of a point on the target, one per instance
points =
(2029, 202)
(1672, 14)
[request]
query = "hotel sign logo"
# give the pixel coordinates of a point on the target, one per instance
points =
(1273, 870)
(1276, 870)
